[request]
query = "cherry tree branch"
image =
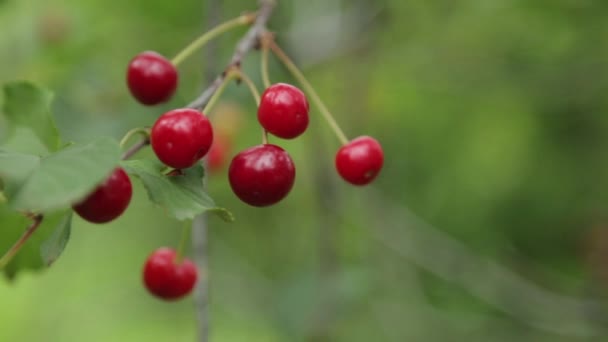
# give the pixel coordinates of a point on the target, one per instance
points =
(200, 225)
(200, 228)
(246, 44)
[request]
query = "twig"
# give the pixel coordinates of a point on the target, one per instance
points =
(246, 44)
(8, 256)
(200, 250)
(200, 234)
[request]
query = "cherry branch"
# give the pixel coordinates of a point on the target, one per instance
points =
(246, 44)
(249, 41)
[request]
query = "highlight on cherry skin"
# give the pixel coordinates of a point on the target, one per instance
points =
(360, 161)
(108, 201)
(168, 278)
(262, 175)
(181, 137)
(283, 111)
(151, 78)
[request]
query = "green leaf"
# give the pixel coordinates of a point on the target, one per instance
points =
(26, 104)
(182, 196)
(52, 248)
(15, 168)
(66, 176)
(31, 256)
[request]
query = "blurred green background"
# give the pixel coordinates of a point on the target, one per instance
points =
(489, 221)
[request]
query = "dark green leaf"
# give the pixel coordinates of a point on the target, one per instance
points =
(26, 104)
(182, 196)
(66, 176)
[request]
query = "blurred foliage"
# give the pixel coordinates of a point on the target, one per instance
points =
(493, 118)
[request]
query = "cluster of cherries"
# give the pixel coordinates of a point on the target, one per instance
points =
(260, 176)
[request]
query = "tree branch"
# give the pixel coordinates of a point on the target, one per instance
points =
(200, 228)
(246, 44)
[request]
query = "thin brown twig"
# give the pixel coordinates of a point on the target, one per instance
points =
(246, 44)
(8, 256)
(200, 229)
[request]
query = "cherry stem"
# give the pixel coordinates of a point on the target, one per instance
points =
(184, 241)
(230, 75)
(135, 148)
(249, 83)
(145, 132)
(309, 89)
(256, 96)
(264, 66)
(245, 19)
(8, 256)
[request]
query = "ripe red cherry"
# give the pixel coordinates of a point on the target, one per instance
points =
(360, 161)
(283, 111)
(167, 278)
(151, 78)
(262, 175)
(108, 201)
(181, 137)
(218, 153)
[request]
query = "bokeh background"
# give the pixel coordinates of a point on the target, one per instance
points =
(489, 221)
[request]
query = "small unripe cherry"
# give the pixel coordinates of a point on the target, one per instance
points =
(181, 137)
(262, 175)
(283, 111)
(151, 78)
(167, 278)
(359, 161)
(108, 200)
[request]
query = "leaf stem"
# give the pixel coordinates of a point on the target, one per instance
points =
(184, 241)
(8, 256)
(309, 89)
(244, 19)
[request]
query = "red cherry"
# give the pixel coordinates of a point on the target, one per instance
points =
(218, 153)
(166, 278)
(151, 78)
(360, 161)
(283, 111)
(108, 201)
(262, 175)
(181, 137)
